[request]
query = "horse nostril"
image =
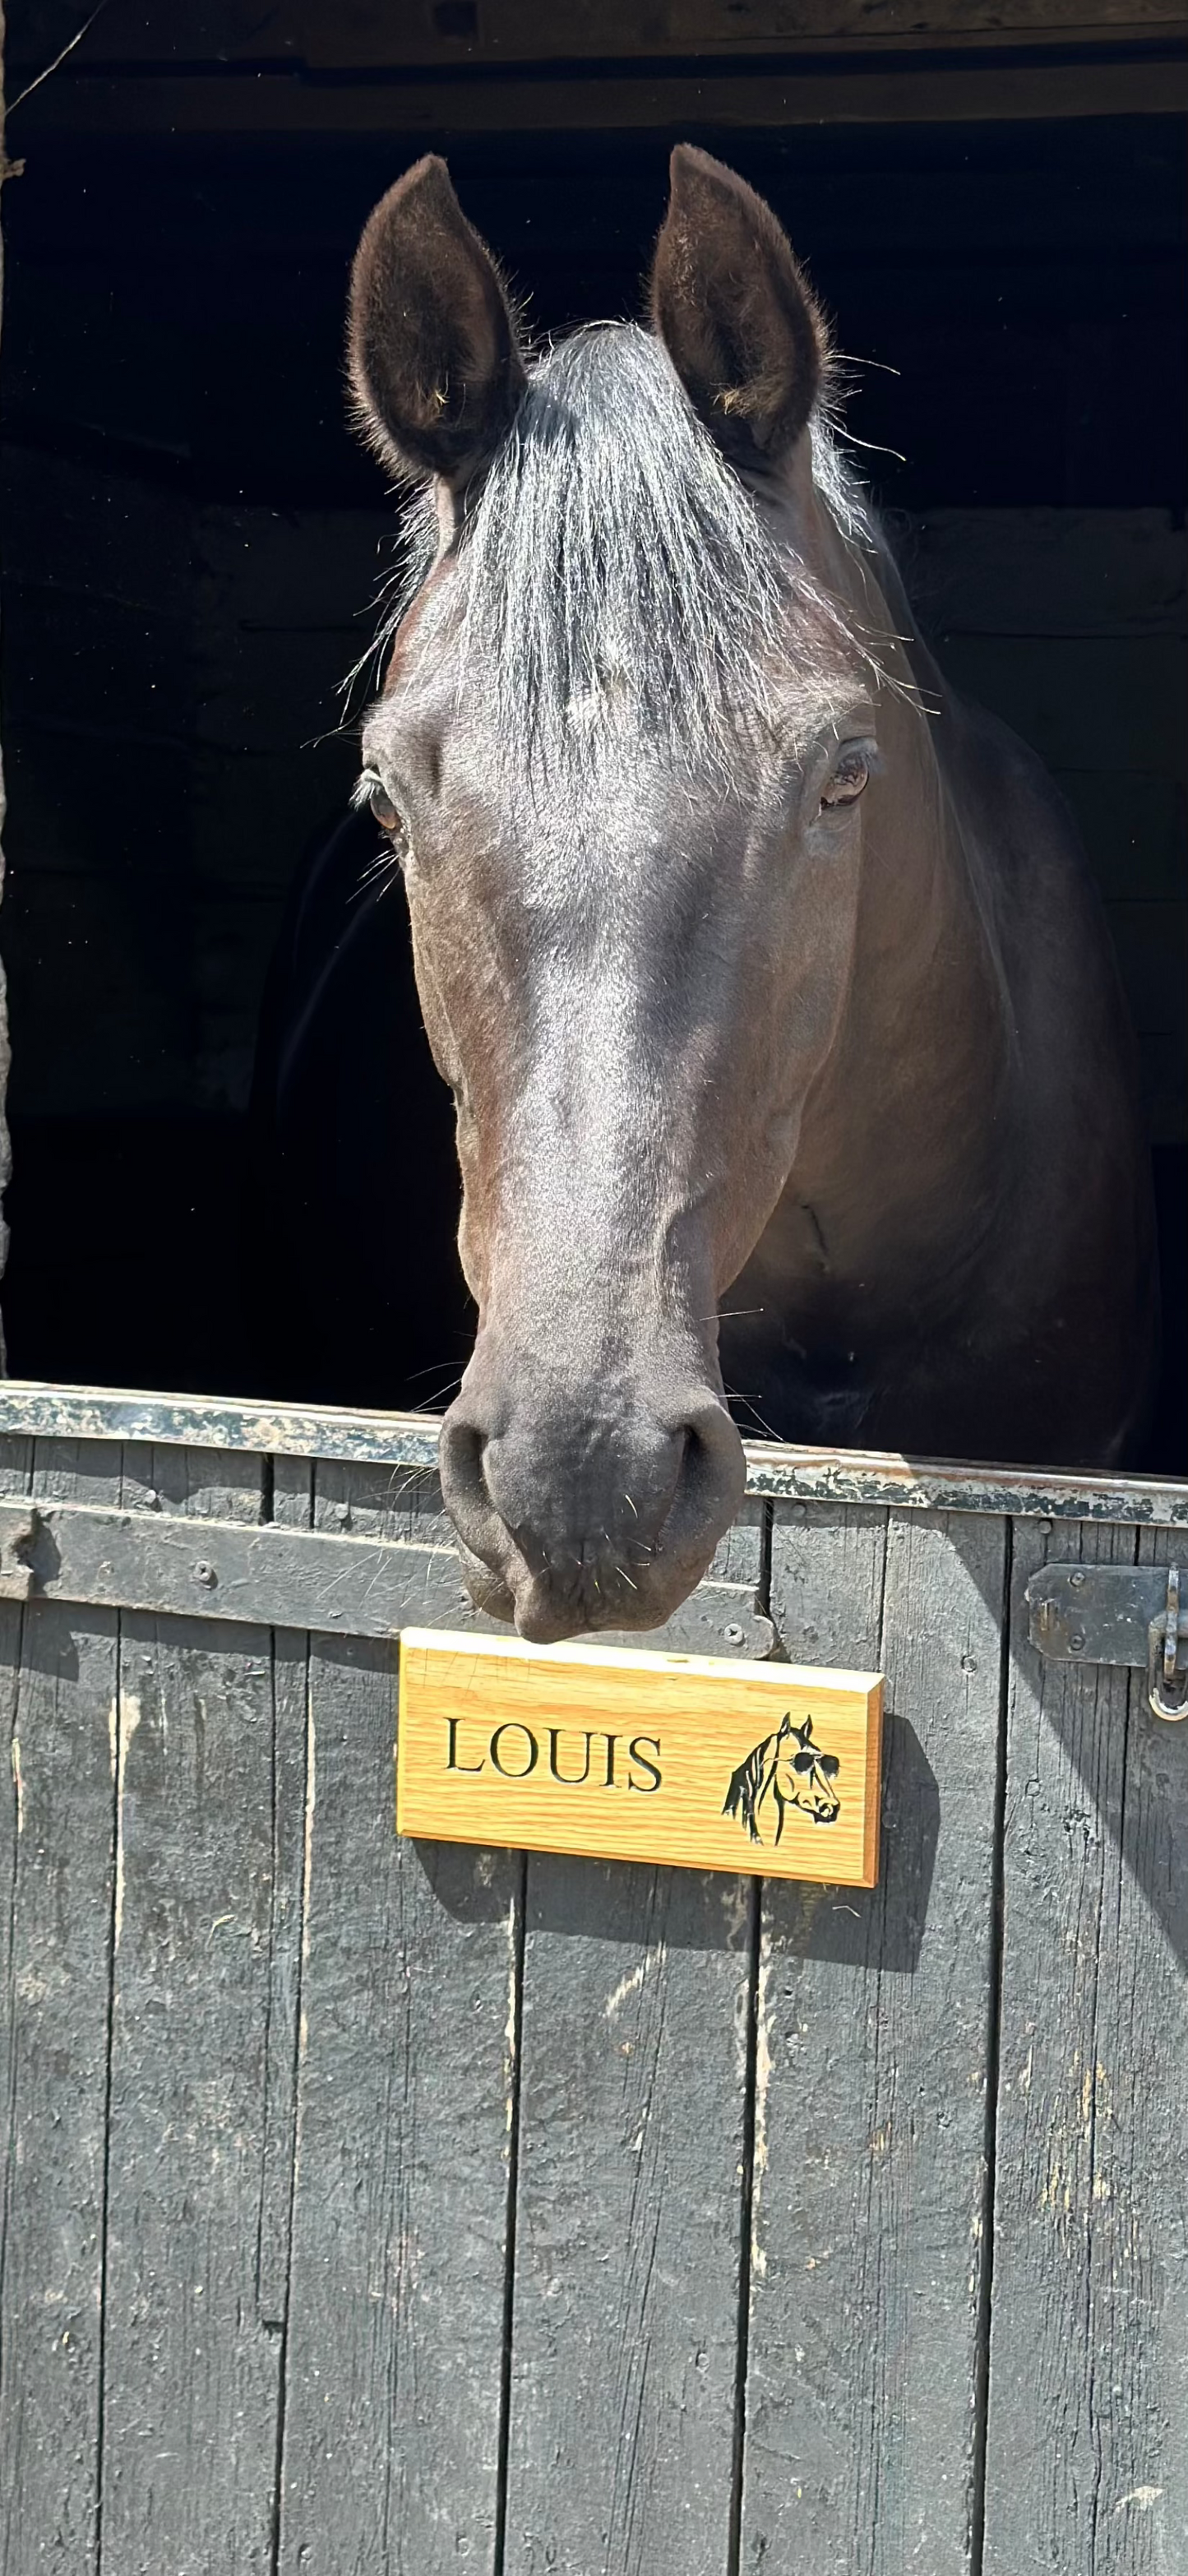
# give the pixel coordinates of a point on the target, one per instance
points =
(462, 1464)
(710, 1478)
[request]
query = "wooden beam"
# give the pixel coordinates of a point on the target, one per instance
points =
(371, 34)
(279, 103)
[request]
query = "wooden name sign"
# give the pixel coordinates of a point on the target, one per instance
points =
(687, 1759)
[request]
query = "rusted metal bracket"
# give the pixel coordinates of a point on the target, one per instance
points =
(273, 1576)
(1116, 1614)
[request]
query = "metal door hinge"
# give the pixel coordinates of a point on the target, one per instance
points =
(1116, 1614)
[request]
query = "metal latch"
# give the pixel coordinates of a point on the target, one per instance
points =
(1116, 1614)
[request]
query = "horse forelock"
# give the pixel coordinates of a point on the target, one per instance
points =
(622, 585)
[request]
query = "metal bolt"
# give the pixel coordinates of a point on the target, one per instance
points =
(733, 1634)
(1076, 1581)
(1044, 1528)
(1076, 1645)
(205, 1574)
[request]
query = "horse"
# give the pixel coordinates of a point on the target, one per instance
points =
(785, 1041)
(788, 1768)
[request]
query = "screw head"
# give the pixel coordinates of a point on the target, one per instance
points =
(733, 1634)
(1076, 1645)
(205, 1574)
(1076, 1581)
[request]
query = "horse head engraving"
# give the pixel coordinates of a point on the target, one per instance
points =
(787, 1770)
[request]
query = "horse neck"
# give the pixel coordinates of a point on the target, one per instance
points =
(922, 1061)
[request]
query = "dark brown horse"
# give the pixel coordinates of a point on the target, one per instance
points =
(764, 971)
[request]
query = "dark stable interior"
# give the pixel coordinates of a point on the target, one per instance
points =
(192, 539)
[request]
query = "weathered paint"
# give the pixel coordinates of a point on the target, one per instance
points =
(775, 1471)
(564, 2213)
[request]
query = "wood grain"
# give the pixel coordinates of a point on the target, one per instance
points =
(192, 2367)
(60, 1683)
(1089, 2333)
(406, 2077)
(630, 2220)
(873, 2044)
(367, 34)
(856, 93)
(638, 1756)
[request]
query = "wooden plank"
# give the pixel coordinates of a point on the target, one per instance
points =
(873, 2043)
(274, 1575)
(366, 34)
(57, 1837)
(1089, 2374)
(292, 1505)
(275, 103)
(632, 2154)
(692, 1761)
(192, 2364)
(394, 2359)
(406, 1443)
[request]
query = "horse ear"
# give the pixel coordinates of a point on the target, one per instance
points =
(735, 314)
(431, 346)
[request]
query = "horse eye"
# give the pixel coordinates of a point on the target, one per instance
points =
(848, 780)
(384, 810)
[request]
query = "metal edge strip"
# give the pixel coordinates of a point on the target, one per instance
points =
(775, 1472)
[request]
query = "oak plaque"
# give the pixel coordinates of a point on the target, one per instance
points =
(692, 1760)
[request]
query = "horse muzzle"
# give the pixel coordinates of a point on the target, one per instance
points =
(573, 1518)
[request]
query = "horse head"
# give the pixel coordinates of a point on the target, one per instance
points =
(805, 1777)
(621, 749)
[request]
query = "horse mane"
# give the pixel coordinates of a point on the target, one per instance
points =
(621, 581)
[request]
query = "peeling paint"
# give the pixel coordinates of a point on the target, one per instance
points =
(311, 1800)
(762, 2086)
(18, 1783)
(736, 1907)
(511, 2027)
(628, 1985)
(1143, 2497)
(30, 1408)
(128, 1714)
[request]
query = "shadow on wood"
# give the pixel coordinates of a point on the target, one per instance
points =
(879, 1927)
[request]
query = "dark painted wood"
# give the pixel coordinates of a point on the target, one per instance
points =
(59, 1680)
(495, 32)
(394, 2359)
(630, 2199)
(406, 1443)
(629, 2213)
(361, 2212)
(857, 93)
(873, 2043)
(192, 2366)
(1089, 2377)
